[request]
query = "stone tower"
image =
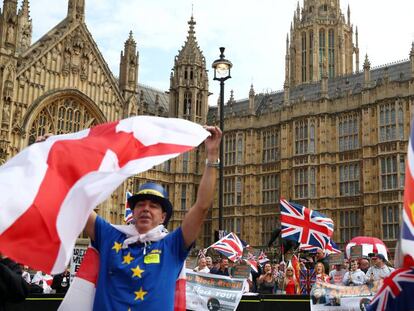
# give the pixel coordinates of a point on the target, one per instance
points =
(128, 75)
(321, 36)
(189, 81)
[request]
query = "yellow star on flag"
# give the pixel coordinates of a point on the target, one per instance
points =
(117, 246)
(128, 258)
(137, 272)
(140, 294)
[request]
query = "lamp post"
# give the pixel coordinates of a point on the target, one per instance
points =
(222, 69)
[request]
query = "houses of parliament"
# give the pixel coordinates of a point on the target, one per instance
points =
(335, 139)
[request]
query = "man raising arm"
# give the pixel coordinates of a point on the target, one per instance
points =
(134, 258)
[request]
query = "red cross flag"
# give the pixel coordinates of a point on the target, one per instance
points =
(49, 189)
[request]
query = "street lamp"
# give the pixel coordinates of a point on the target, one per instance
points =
(222, 69)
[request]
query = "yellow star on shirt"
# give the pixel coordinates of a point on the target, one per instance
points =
(117, 246)
(140, 294)
(128, 258)
(137, 272)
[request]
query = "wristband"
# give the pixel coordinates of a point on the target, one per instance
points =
(213, 164)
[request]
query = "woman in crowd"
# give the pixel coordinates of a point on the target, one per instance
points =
(290, 284)
(321, 276)
(266, 282)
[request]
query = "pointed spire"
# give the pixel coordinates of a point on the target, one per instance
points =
(192, 23)
(251, 92)
(76, 10)
(231, 96)
(25, 8)
(367, 64)
(287, 44)
(298, 10)
(412, 49)
(252, 100)
(349, 15)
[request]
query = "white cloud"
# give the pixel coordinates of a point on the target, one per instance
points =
(253, 32)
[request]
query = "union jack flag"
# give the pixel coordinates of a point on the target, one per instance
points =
(262, 258)
(330, 248)
(396, 292)
(230, 246)
(128, 218)
(307, 277)
(305, 225)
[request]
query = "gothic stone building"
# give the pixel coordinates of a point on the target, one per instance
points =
(334, 139)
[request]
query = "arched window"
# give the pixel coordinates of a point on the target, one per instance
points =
(304, 57)
(187, 104)
(311, 55)
(198, 106)
(400, 123)
(331, 53)
(61, 116)
(322, 49)
(312, 139)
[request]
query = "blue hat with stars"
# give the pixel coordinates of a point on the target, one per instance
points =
(156, 193)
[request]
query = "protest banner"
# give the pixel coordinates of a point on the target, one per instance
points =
(212, 292)
(76, 260)
(326, 296)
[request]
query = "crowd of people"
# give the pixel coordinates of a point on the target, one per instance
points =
(281, 278)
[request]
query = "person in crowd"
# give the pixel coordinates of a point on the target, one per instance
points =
(279, 276)
(337, 275)
(364, 265)
(322, 258)
(202, 266)
(224, 268)
(266, 282)
(379, 270)
(13, 288)
(355, 276)
(61, 282)
(25, 274)
(321, 276)
(290, 284)
(346, 265)
(209, 262)
(44, 281)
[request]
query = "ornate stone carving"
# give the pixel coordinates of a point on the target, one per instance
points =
(76, 55)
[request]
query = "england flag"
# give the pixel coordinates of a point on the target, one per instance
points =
(49, 189)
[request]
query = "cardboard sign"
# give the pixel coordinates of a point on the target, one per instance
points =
(336, 259)
(241, 271)
(356, 252)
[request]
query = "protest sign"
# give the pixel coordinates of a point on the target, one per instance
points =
(212, 292)
(76, 259)
(241, 271)
(336, 259)
(356, 252)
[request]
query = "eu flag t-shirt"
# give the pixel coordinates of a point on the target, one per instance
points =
(130, 280)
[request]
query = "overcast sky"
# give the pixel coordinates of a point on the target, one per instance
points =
(253, 32)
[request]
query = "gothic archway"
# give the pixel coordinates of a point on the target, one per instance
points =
(61, 114)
